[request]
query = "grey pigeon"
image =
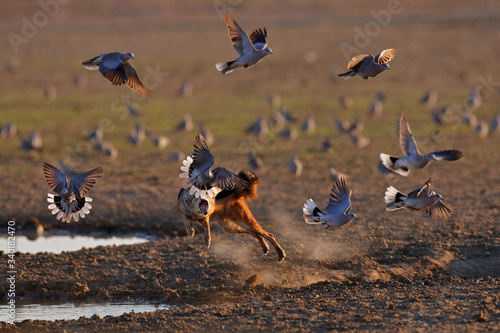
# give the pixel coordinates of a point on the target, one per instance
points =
(474, 100)
(251, 50)
(334, 174)
(186, 89)
(482, 129)
(254, 161)
(287, 115)
(49, 91)
(289, 134)
(70, 200)
(133, 111)
(277, 120)
(259, 128)
(295, 166)
(176, 157)
(33, 142)
(274, 100)
(338, 210)
(421, 199)
(429, 99)
(359, 139)
(309, 125)
(96, 136)
(159, 141)
(8, 131)
(470, 119)
(367, 65)
(137, 135)
(200, 179)
(116, 67)
(413, 159)
(327, 145)
(186, 125)
(495, 124)
(207, 134)
(12, 64)
(345, 102)
(376, 108)
(440, 115)
(80, 81)
(109, 150)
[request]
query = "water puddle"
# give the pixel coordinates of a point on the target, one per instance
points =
(68, 311)
(57, 243)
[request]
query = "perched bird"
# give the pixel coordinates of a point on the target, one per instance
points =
(33, 142)
(413, 159)
(159, 141)
(326, 145)
(346, 102)
(116, 67)
(338, 210)
(274, 100)
(474, 100)
(133, 111)
(470, 119)
(295, 166)
(202, 181)
(254, 161)
(334, 174)
(50, 91)
(366, 65)
(439, 115)
(80, 81)
(137, 135)
(8, 131)
(287, 115)
(176, 157)
(207, 134)
(495, 124)
(289, 134)
(376, 108)
(186, 125)
(96, 136)
(359, 139)
(421, 199)
(109, 150)
(251, 49)
(429, 99)
(70, 201)
(259, 128)
(277, 120)
(186, 89)
(309, 125)
(12, 64)
(482, 129)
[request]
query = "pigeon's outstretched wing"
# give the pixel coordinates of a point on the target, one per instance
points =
(385, 56)
(422, 191)
(258, 38)
(55, 178)
(239, 38)
(202, 157)
(439, 210)
(406, 140)
(340, 201)
(133, 80)
(227, 180)
(357, 60)
(81, 184)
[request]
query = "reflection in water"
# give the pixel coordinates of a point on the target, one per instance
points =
(68, 311)
(59, 243)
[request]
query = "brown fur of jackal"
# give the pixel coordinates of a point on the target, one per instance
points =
(230, 210)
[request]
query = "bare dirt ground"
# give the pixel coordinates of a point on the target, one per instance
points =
(400, 271)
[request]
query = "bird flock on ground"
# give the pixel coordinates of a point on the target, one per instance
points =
(71, 202)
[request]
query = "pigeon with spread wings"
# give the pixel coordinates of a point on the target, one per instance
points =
(70, 201)
(203, 181)
(421, 199)
(338, 210)
(251, 49)
(367, 65)
(116, 67)
(412, 159)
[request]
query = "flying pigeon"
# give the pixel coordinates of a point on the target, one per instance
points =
(70, 200)
(413, 159)
(251, 50)
(421, 199)
(338, 210)
(366, 65)
(118, 70)
(202, 181)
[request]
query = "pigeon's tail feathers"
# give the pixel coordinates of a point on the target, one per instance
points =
(347, 74)
(224, 67)
(394, 199)
(390, 163)
(90, 64)
(76, 209)
(311, 212)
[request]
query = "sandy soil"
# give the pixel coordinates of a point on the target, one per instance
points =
(400, 271)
